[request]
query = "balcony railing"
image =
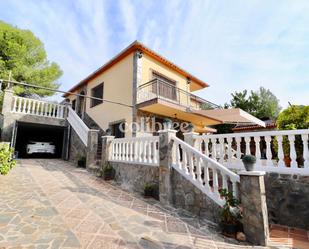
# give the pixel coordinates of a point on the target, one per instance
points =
(284, 151)
(37, 107)
(159, 89)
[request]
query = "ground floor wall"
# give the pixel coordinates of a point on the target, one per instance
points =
(76, 147)
(190, 198)
(288, 199)
(185, 194)
(134, 177)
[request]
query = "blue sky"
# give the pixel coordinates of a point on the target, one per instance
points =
(232, 45)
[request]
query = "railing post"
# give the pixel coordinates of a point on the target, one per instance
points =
(92, 147)
(7, 101)
(305, 150)
(106, 150)
(253, 201)
(189, 138)
(166, 156)
(8, 121)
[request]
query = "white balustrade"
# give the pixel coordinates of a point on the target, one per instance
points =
(37, 107)
(136, 150)
(283, 151)
(78, 125)
(204, 172)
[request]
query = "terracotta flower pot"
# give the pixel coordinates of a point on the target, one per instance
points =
(287, 161)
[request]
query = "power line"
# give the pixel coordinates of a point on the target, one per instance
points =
(56, 90)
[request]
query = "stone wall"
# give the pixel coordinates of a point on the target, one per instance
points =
(134, 177)
(10, 118)
(287, 199)
(77, 148)
(190, 198)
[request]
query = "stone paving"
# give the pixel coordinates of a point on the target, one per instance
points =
(52, 204)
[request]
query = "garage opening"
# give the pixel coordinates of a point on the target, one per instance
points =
(39, 140)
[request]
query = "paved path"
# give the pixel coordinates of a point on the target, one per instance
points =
(52, 204)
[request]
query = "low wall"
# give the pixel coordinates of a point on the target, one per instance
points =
(76, 147)
(288, 199)
(190, 198)
(134, 177)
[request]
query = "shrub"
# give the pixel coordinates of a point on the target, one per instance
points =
(231, 212)
(108, 172)
(249, 159)
(151, 190)
(6, 160)
(81, 161)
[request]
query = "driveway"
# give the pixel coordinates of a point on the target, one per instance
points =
(52, 204)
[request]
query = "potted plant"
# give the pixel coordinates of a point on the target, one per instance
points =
(249, 162)
(108, 172)
(151, 190)
(81, 161)
(167, 123)
(108, 132)
(231, 214)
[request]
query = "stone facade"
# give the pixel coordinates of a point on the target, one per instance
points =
(134, 177)
(77, 148)
(190, 198)
(288, 199)
(253, 201)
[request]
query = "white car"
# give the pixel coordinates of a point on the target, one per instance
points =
(40, 147)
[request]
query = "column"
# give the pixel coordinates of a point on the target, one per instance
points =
(253, 201)
(92, 148)
(166, 157)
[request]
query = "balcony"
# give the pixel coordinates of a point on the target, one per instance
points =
(159, 89)
(164, 99)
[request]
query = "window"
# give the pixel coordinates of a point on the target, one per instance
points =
(74, 104)
(97, 92)
(118, 130)
(164, 87)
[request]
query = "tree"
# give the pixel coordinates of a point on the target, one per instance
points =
(294, 117)
(262, 104)
(23, 54)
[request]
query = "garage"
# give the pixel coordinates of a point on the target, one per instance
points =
(44, 141)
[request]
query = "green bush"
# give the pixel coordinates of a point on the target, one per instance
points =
(293, 118)
(230, 212)
(249, 159)
(6, 160)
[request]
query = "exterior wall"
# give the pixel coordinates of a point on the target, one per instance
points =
(76, 147)
(10, 118)
(134, 177)
(190, 198)
(149, 64)
(118, 87)
(287, 199)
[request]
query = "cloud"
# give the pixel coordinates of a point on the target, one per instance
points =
(232, 45)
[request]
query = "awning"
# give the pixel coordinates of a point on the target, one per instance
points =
(231, 116)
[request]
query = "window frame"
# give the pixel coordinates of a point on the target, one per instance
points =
(96, 102)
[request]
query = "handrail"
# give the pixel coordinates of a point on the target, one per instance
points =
(78, 125)
(196, 167)
(259, 133)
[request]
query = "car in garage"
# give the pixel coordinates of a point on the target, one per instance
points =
(40, 147)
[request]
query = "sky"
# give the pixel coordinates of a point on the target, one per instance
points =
(231, 45)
